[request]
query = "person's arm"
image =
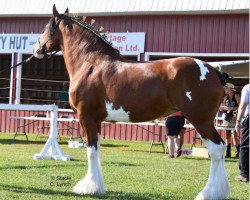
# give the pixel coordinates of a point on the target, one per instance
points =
(237, 98)
(240, 114)
(223, 107)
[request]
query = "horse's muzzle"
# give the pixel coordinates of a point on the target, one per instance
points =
(37, 51)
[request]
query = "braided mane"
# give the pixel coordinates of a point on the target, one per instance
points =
(91, 28)
(99, 33)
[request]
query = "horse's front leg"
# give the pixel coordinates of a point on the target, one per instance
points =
(92, 183)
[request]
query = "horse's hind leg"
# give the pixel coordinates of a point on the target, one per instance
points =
(92, 183)
(217, 186)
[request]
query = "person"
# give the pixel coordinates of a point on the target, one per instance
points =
(244, 146)
(229, 108)
(174, 132)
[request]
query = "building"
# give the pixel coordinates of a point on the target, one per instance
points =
(211, 30)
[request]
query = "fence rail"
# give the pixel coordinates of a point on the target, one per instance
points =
(119, 131)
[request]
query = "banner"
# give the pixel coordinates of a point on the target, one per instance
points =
(127, 43)
(21, 43)
(130, 42)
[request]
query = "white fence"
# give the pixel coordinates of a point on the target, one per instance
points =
(51, 149)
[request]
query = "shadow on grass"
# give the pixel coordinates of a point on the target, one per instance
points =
(197, 158)
(233, 160)
(12, 141)
(145, 151)
(114, 145)
(193, 158)
(120, 164)
(80, 163)
(109, 194)
(23, 167)
(24, 141)
(232, 199)
(75, 160)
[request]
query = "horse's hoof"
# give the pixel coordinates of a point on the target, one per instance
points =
(88, 187)
(200, 196)
(212, 194)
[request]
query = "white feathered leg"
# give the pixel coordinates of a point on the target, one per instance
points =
(92, 183)
(217, 186)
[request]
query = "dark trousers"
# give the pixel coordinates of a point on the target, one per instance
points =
(244, 150)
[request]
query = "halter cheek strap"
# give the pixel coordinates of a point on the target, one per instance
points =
(52, 33)
(41, 45)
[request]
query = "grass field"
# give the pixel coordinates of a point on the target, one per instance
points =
(130, 172)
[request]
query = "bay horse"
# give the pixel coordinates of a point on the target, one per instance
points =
(106, 87)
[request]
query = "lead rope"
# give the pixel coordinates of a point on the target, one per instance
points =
(25, 61)
(41, 46)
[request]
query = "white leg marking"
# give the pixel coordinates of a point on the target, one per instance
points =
(188, 94)
(92, 183)
(116, 115)
(217, 186)
(203, 69)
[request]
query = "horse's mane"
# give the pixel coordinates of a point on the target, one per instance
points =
(98, 33)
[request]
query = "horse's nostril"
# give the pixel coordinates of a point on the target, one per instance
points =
(38, 52)
(37, 49)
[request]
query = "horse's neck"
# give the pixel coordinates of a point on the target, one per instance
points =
(77, 52)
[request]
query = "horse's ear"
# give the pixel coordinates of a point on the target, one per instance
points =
(66, 12)
(55, 12)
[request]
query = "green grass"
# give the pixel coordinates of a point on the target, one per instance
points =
(130, 172)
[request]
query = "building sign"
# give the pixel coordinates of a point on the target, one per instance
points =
(23, 43)
(128, 42)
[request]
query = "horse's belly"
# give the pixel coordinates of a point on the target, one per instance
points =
(138, 113)
(143, 102)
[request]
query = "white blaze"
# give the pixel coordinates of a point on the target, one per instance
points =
(203, 69)
(118, 115)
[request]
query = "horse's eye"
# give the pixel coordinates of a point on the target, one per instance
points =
(52, 24)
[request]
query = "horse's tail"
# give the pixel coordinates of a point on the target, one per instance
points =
(222, 76)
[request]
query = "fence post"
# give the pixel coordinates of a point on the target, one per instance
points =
(51, 149)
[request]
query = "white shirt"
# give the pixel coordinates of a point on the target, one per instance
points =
(245, 98)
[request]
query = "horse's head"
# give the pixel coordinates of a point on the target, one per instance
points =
(49, 40)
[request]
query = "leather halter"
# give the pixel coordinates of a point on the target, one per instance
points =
(53, 28)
